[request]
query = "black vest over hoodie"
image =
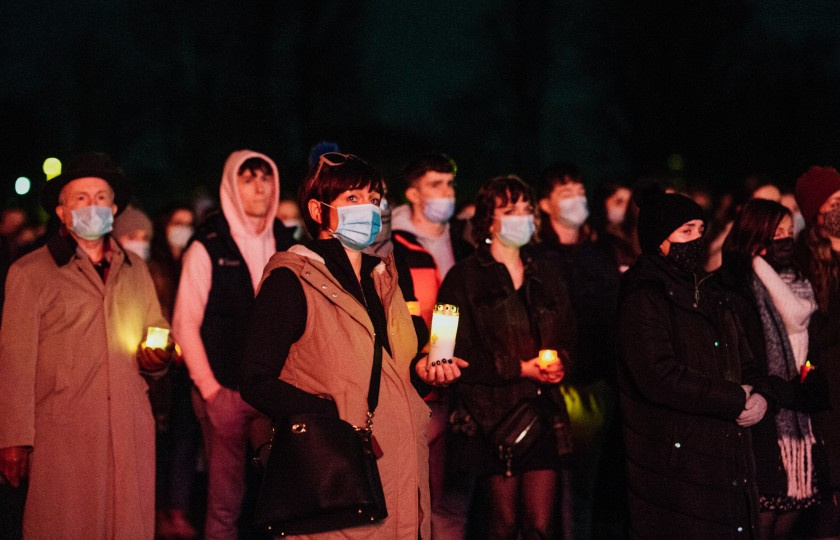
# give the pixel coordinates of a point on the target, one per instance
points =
(231, 296)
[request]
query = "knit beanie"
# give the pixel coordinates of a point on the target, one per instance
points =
(813, 188)
(131, 220)
(660, 214)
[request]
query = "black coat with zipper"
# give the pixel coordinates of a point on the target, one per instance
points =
(683, 359)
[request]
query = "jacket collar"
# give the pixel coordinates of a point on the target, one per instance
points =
(62, 247)
(485, 258)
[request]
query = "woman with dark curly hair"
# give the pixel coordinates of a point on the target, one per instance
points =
(511, 307)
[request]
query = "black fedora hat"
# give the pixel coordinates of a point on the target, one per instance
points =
(94, 164)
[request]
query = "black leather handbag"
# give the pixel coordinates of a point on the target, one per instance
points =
(516, 435)
(321, 473)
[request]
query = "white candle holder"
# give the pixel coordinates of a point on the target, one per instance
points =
(444, 330)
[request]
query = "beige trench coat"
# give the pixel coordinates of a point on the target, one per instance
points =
(70, 388)
(333, 358)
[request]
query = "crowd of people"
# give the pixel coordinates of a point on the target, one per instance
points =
(693, 393)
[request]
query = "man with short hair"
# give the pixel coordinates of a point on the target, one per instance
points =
(222, 268)
(75, 415)
(426, 236)
(424, 230)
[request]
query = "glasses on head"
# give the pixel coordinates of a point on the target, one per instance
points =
(333, 159)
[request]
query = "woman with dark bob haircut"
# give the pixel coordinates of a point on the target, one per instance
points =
(511, 307)
(318, 315)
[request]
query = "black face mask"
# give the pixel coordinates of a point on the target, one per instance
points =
(831, 222)
(688, 256)
(780, 253)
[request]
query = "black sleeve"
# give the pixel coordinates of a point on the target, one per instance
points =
(277, 321)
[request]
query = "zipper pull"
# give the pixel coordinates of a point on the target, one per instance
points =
(696, 291)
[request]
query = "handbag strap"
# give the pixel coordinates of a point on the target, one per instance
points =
(375, 377)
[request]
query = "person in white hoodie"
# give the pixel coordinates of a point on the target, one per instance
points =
(222, 267)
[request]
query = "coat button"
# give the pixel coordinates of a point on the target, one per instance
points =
(735, 483)
(307, 273)
(717, 343)
(334, 295)
(677, 445)
(324, 286)
(740, 529)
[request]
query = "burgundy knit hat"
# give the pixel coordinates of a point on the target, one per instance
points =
(813, 188)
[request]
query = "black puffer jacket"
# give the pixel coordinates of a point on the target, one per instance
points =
(683, 359)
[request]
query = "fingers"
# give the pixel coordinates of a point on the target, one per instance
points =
(152, 359)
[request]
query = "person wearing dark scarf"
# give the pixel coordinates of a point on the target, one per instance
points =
(774, 302)
(688, 387)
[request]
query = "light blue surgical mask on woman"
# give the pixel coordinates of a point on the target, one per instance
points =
(92, 222)
(439, 210)
(516, 231)
(358, 225)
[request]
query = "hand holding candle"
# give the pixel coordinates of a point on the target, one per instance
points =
(154, 352)
(443, 332)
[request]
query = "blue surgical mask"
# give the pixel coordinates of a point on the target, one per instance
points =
(92, 222)
(439, 210)
(516, 231)
(358, 225)
(573, 211)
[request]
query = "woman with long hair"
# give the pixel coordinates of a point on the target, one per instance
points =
(774, 302)
(818, 195)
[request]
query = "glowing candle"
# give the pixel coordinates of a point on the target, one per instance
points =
(803, 371)
(444, 329)
(547, 357)
(156, 338)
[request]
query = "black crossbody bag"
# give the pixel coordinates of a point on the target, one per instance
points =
(321, 473)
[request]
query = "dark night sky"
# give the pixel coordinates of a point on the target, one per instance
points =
(170, 88)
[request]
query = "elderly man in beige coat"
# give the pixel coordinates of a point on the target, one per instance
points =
(75, 413)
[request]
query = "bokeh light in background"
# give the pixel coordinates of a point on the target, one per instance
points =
(52, 167)
(22, 185)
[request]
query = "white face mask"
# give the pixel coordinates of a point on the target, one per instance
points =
(573, 211)
(798, 224)
(179, 235)
(516, 231)
(140, 247)
(616, 215)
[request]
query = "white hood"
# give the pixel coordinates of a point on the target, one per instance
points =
(240, 226)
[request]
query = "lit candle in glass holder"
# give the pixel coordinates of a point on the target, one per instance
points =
(444, 330)
(156, 338)
(547, 357)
